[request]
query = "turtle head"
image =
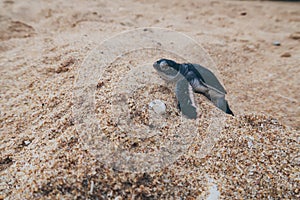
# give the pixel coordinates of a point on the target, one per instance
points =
(165, 65)
(168, 69)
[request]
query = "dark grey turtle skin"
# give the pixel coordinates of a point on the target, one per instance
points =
(200, 79)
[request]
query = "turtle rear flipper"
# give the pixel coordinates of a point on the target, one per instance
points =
(185, 98)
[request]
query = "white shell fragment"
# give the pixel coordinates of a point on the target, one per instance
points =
(158, 106)
(26, 142)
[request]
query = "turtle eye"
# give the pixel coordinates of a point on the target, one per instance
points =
(164, 66)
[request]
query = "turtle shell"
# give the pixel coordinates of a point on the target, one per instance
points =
(209, 78)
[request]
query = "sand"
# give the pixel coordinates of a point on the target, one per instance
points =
(254, 155)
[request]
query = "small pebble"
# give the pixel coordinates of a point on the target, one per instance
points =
(243, 13)
(276, 43)
(158, 106)
(26, 142)
(295, 36)
(286, 54)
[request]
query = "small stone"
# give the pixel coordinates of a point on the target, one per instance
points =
(276, 43)
(243, 13)
(286, 54)
(158, 106)
(295, 36)
(27, 142)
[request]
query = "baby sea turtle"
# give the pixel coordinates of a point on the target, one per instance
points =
(191, 78)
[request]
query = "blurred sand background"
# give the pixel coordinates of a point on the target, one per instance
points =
(43, 43)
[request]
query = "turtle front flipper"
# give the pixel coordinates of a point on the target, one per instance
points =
(218, 99)
(185, 98)
(207, 84)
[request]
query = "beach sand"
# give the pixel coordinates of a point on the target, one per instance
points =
(254, 155)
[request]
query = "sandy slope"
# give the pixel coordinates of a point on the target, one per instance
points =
(42, 45)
